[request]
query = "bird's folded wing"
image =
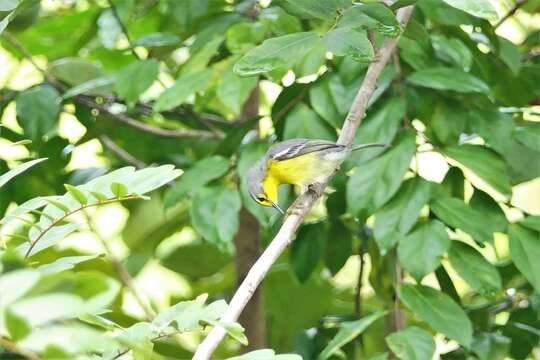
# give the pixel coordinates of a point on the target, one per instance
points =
(296, 147)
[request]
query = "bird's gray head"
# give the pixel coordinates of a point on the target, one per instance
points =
(255, 184)
(255, 179)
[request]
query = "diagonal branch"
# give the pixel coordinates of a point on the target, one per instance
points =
(510, 13)
(303, 204)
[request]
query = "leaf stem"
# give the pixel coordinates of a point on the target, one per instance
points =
(66, 215)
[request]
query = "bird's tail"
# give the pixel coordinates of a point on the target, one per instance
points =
(369, 145)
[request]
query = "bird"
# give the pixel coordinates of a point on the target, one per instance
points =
(300, 162)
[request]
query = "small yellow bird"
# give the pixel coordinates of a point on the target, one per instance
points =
(300, 162)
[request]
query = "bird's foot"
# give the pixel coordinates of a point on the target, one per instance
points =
(293, 210)
(316, 188)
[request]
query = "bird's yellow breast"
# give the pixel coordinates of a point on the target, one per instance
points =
(297, 171)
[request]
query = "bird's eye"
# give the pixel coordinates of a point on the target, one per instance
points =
(261, 199)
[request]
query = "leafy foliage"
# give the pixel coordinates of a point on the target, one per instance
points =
(440, 229)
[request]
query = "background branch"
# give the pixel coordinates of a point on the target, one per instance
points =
(122, 272)
(511, 12)
(304, 203)
(121, 153)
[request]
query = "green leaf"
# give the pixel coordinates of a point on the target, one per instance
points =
(283, 51)
(484, 163)
(71, 338)
(188, 315)
(349, 331)
(321, 100)
(77, 194)
(50, 238)
(412, 343)
(452, 50)
(197, 261)
(307, 249)
(59, 205)
(75, 71)
(349, 42)
(119, 190)
(97, 290)
(456, 213)
(99, 196)
(321, 9)
(388, 24)
(398, 216)
(17, 327)
(421, 251)
(439, 311)
(510, 55)
(244, 35)
(185, 86)
(442, 13)
(531, 222)
(278, 21)
(59, 306)
(157, 40)
(200, 174)
(8, 5)
(37, 111)
(302, 122)
(136, 78)
(479, 8)
(472, 267)
(490, 209)
(525, 249)
(491, 346)
(4, 178)
(139, 338)
(339, 249)
(449, 121)
(529, 136)
(233, 91)
(15, 284)
(63, 264)
(266, 354)
(214, 214)
(379, 126)
(441, 78)
(98, 85)
(366, 191)
(236, 331)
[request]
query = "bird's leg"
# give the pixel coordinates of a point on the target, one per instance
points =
(316, 188)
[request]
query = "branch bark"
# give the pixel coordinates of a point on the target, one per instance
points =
(304, 203)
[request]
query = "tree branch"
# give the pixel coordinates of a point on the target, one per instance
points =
(303, 204)
(510, 13)
(121, 153)
(122, 272)
(139, 125)
(13, 348)
(358, 291)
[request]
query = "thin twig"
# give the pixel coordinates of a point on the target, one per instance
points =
(15, 349)
(510, 13)
(139, 125)
(303, 204)
(68, 214)
(121, 153)
(122, 272)
(358, 291)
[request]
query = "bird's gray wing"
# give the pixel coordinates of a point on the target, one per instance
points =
(296, 147)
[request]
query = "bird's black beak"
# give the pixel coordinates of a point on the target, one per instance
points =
(278, 208)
